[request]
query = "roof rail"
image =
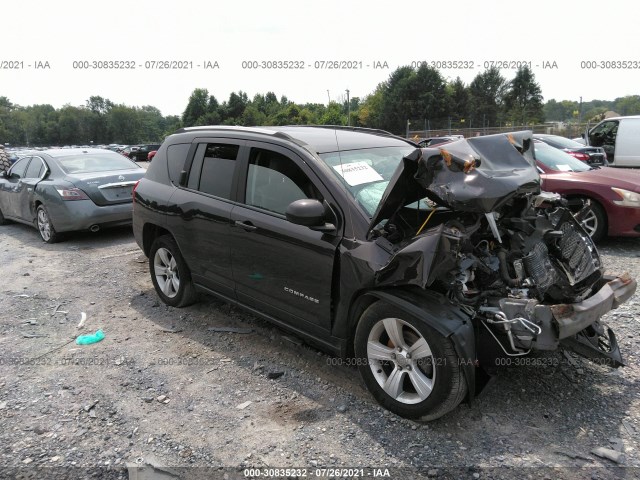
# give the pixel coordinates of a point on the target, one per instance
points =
(225, 127)
(375, 131)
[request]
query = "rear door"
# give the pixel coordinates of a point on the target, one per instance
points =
(279, 268)
(202, 207)
(34, 173)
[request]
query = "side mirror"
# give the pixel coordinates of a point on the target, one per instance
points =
(309, 213)
(3, 174)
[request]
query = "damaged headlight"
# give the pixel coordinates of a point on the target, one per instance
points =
(629, 199)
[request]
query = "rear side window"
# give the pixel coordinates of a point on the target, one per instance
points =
(35, 169)
(212, 169)
(176, 157)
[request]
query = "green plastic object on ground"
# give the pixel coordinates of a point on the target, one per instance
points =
(89, 339)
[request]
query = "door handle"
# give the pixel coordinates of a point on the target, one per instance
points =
(247, 226)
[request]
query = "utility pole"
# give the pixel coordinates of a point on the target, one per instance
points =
(408, 124)
(328, 96)
(580, 112)
(348, 110)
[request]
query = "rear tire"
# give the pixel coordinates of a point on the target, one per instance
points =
(169, 273)
(45, 227)
(409, 367)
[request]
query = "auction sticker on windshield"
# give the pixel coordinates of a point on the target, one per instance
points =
(357, 173)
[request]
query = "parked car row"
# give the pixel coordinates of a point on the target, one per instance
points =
(65, 190)
(138, 153)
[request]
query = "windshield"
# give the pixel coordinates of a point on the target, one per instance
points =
(558, 160)
(561, 142)
(366, 173)
(103, 162)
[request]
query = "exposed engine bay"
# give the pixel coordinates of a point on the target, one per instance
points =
(516, 259)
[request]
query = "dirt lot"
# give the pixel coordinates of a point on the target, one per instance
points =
(166, 391)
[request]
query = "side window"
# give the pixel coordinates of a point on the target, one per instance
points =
(604, 134)
(274, 181)
(35, 169)
(18, 168)
(212, 169)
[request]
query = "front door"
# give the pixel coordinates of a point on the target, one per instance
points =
(12, 187)
(279, 268)
(604, 135)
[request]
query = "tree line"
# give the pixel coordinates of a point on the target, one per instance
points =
(418, 95)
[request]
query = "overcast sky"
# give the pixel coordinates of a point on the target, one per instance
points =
(365, 33)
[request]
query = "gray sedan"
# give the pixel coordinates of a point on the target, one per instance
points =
(62, 190)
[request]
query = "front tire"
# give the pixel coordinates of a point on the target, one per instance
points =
(409, 367)
(45, 227)
(169, 273)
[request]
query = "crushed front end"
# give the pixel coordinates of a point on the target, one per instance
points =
(514, 258)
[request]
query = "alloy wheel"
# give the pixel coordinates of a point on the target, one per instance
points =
(165, 270)
(44, 225)
(401, 361)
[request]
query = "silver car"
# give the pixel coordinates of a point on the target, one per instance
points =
(63, 190)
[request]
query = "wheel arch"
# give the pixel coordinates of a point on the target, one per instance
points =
(596, 200)
(34, 208)
(150, 232)
(437, 312)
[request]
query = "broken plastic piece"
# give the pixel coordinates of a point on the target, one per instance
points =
(83, 318)
(89, 339)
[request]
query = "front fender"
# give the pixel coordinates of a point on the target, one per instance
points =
(446, 318)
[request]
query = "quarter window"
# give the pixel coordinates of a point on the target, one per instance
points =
(274, 181)
(176, 155)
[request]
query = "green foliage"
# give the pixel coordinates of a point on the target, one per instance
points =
(486, 95)
(197, 107)
(420, 95)
(523, 99)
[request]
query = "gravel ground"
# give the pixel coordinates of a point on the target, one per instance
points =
(168, 391)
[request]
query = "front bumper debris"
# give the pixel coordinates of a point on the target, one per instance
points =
(575, 317)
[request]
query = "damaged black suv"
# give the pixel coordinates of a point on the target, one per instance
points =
(424, 266)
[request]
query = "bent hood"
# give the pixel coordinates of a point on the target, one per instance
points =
(470, 175)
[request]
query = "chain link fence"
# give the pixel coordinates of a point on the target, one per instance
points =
(569, 130)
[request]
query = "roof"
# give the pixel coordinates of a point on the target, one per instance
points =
(621, 117)
(321, 139)
(68, 152)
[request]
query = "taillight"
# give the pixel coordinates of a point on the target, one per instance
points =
(133, 192)
(580, 156)
(72, 194)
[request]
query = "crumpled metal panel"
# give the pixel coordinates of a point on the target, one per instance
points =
(470, 175)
